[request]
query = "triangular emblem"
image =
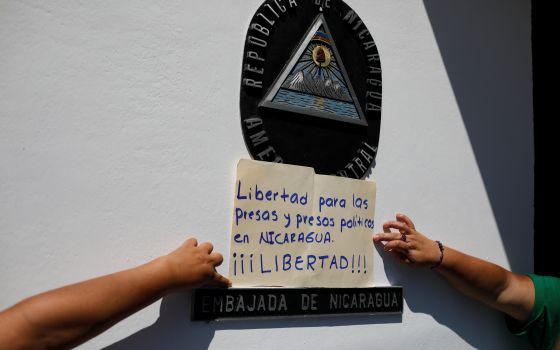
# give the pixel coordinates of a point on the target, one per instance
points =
(315, 82)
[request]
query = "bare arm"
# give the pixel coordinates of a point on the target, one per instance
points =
(68, 316)
(489, 283)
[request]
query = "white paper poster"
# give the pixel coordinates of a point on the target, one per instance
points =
(293, 228)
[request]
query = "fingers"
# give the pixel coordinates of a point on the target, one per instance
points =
(406, 220)
(208, 247)
(402, 227)
(191, 242)
(400, 249)
(221, 281)
(216, 259)
(381, 237)
(398, 245)
(217, 281)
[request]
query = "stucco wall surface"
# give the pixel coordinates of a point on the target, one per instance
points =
(120, 131)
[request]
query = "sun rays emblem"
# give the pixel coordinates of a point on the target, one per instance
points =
(315, 81)
(321, 56)
(318, 52)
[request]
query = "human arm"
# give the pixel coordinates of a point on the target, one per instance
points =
(489, 283)
(66, 317)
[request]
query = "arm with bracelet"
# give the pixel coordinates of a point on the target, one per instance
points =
(531, 302)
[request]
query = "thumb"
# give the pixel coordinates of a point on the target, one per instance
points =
(218, 281)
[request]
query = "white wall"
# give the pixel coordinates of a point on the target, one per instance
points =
(119, 133)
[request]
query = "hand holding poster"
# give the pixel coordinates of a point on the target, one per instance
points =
(292, 228)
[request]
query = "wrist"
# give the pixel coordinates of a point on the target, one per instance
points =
(163, 272)
(438, 256)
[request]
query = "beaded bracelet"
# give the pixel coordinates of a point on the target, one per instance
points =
(440, 245)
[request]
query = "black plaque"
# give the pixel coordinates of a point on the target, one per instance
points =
(234, 303)
(311, 87)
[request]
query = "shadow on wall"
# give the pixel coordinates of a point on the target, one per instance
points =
(486, 49)
(173, 329)
(426, 292)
